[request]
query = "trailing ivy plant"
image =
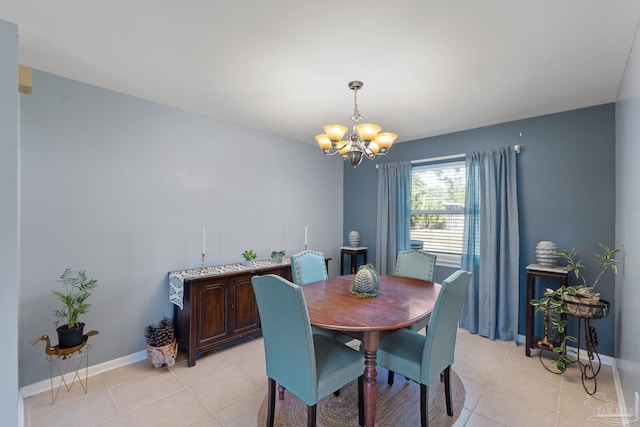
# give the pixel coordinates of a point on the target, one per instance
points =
(554, 302)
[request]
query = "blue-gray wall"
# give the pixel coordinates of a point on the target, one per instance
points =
(627, 314)
(122, 187)
(566, 187)
(9, 225)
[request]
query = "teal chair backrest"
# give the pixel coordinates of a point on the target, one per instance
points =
(440, 342)
(308, 266)
(416, 263)
(285, 320)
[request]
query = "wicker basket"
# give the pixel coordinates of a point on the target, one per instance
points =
(588, 308)
(165, 355)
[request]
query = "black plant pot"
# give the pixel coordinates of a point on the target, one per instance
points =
(68, 338)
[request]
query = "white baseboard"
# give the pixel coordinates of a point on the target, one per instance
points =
(45, 385)
(604, 359)
(20, 411)
(631, 414)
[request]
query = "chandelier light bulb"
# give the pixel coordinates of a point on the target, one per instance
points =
(344, 147)
(368, 131)
(335, 132)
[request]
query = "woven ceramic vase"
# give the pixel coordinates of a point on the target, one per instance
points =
(354, 239)
(546, 253)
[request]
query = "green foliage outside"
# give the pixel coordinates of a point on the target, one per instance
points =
(436, 190)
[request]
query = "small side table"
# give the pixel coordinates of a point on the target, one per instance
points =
(67, 361)
(535, 271)
(354, 253)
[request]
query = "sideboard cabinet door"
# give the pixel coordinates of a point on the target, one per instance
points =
(244, 308)
(212, 313)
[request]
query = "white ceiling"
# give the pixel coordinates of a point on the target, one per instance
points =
(282, 66)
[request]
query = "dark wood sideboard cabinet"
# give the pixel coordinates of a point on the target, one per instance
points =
(220, 309)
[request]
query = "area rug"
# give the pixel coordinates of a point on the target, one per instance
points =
(397, 405)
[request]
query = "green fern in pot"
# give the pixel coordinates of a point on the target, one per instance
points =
(76, 291)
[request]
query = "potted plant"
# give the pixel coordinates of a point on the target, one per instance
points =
(249, 255)
(77, 289)
(162, 347)
(277, 256)
(578, 300)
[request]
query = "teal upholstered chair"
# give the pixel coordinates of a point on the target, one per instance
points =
(422, 358)
(309, 365)
(416, 263)
(420, 265)
(309, 266)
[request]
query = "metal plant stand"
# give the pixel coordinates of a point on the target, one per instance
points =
(68, 361)
(590, 367)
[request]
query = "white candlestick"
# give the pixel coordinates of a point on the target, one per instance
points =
(305, 235)
(204, 235)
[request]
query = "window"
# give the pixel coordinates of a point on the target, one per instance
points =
(437, 209)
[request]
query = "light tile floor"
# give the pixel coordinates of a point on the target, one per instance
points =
(226, 388)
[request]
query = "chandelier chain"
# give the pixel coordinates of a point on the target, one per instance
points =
(356, 112)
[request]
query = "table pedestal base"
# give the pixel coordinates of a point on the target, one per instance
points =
(371, 342)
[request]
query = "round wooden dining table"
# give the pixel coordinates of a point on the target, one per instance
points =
(401, 302)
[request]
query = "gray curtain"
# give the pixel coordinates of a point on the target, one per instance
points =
(394, 211)
(491, 246)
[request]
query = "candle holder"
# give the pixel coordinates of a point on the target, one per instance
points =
(202, 269)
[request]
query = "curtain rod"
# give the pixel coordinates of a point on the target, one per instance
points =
(516, 148)
(438, 159)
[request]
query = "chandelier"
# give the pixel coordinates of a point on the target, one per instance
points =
(365, 139)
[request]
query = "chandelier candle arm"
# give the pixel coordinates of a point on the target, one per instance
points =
(365, 140)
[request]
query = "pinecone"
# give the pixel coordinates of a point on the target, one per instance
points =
(160, 334)
(165, 332)
(149, 334)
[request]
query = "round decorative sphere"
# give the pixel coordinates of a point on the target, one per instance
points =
(546, 253)
(354, 239)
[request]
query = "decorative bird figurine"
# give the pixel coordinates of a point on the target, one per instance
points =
(65, 352)
(48, 349)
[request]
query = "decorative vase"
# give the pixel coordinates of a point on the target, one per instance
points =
(165, 355)
(354, 239)
(546, 253)
(366, 283)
